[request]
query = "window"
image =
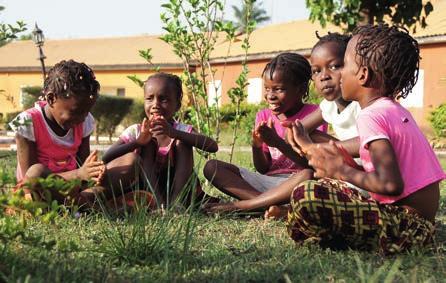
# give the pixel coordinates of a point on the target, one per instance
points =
(113, 90)
(120, 92)
(415, 99)
(214, 93)
(254, 90)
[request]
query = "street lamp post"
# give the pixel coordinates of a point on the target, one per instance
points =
(39, 39)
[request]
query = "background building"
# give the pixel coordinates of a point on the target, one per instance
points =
(113, 59)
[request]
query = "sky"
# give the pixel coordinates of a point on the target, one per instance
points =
(61, 19)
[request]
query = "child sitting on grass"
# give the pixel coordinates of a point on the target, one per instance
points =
(326, 60)
(53, 137)
(163, 145)
(402, 173)
(286, 78)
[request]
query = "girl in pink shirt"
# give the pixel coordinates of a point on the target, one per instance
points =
(164, 146)
(401, 174)
(286, 78)
(54, 136)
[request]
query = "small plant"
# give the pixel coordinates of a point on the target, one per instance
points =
(438, 120)
(238, 94)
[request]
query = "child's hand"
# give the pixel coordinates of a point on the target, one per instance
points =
(298, 137)
(92, 168)
(326, 159)
(146, 135)
(268, 133)
(160, 126)
(256, 139)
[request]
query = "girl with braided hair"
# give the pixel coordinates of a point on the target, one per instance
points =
(326, 60)
(164, 146)
(53, 137)
(286, 80)
(402, 173)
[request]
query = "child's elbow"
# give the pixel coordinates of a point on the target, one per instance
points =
(213, 147)
(394, 188)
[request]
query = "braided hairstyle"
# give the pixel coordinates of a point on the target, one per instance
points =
(391, 55)
(69, 78)
(341, 40)
(172, 80)
(294, 67)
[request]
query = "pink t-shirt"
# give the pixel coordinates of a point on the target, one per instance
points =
(387, 119)
(132, 133)
(280, 163)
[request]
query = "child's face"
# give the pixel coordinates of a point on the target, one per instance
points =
(350, 73)
(326, 63)
(71, 111)
(281, 94)
(160, 99)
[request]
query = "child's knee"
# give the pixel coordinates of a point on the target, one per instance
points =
(306, 174)
(301, 195)
(210, 169)
(37, 170)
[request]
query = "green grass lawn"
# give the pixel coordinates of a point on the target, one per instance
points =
(194, 248)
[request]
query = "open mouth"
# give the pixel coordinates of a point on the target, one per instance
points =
(274, 106)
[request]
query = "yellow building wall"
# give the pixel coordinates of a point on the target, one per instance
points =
(12, 83)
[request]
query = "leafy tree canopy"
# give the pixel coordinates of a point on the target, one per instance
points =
(351, 13)
(8, 31)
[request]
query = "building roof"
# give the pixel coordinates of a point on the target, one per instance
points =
(122, 52)
(103, 53)
(300, 36)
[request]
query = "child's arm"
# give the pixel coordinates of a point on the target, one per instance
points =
(313, 120)
(84, 150)
(261, 160)
(271, 138)
(26, 153)
(386, 179)
(160, 126)
(120, 148)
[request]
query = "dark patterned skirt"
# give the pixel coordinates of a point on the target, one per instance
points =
(333, 215)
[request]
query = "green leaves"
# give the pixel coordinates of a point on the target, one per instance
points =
(350, 13)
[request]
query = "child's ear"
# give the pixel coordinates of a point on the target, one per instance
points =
(364, 76)
(50, 98)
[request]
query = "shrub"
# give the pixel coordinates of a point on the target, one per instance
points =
(8, 118)
(227, 111)
(109, 112)
(30, 95)
(135, 115)
(438, 120)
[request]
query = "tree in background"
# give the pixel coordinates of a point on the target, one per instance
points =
(348, 14)
(9, 32)
(257, 15)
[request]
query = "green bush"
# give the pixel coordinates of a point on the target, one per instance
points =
(8, 118)
(135, 115)
(227, 111)
(30, 95)
(438, 120)
(109, 112)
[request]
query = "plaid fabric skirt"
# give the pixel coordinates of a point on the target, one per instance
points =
(333, 215)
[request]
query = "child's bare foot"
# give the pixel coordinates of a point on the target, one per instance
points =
(276, 212)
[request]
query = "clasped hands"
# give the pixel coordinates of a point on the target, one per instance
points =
(265, 132)
(156, 126)
(327, 159)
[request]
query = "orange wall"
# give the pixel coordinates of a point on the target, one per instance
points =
(433, 62)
